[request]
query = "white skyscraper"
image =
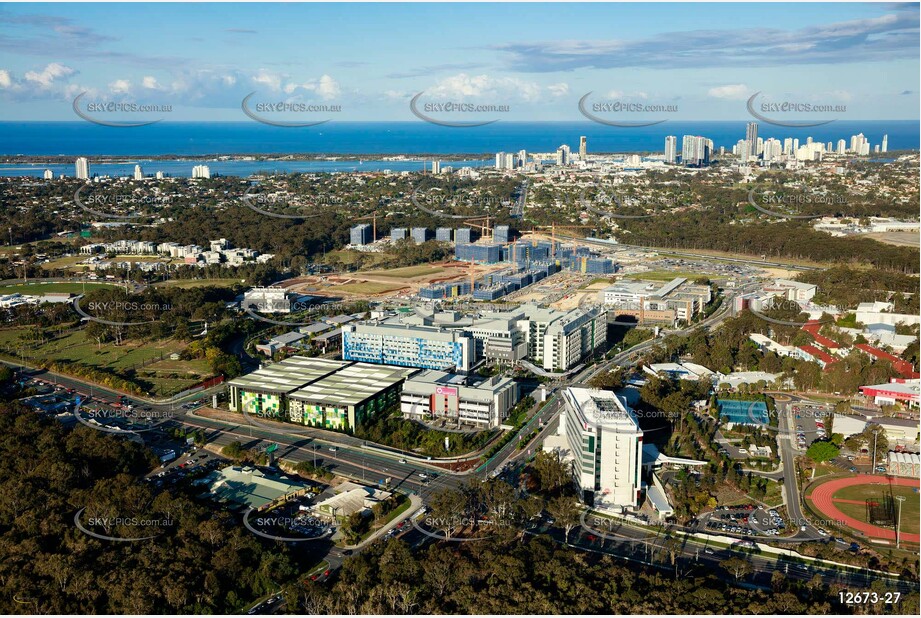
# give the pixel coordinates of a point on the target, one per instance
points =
(159, 175)
(500, 160)
(83, 168)
(842, 147)
(605, 442)
(788, 145)
(563, 155)
(695, 150)
(885, 146)
(138, 173)
(48, 175)
(522, 158)
(201, 171)
(671, 149)
(583, 147)
(436, 167)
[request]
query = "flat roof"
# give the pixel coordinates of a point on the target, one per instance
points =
(249, 486)
(287, 375)
(351, 385)
(601, 408)
(429, 381)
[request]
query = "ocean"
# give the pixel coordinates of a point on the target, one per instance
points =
(197, 140)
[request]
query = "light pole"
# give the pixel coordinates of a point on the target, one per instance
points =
(873, 463)
(898, 521)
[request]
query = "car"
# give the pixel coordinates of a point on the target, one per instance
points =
(423, 476)
(326, 573)
(823, 532)
(403, 461)
(333, 449)
(880, 468)
(802, 528)
(852, 469)
(708, 551)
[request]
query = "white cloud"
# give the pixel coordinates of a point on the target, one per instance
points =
(49, 74)
(559, 90)
(735, 92)
(483, 87)
(5, 80)
(150, 83)
(120, 86)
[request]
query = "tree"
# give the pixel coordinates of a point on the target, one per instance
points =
(821, 450)
(565, 510)
(737, 567)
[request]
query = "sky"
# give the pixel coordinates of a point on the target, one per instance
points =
(523, 61)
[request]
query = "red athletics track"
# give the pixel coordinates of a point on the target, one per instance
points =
(822, 499)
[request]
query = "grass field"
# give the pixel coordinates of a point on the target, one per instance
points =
(911, 507)
(666, 275)
(407, 272)
(50, 287)
(64, 262)
(197, 283)
(76, 347)
(366, 287)
(165, 377)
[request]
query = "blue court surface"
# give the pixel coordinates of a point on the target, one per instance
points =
(744, 412)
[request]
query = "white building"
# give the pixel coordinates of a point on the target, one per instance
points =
(606, 447)
(48, 175)
(267, 300)
(201, 171)
(791, 290)
(436, 394)
(138, 172)
(83, 168)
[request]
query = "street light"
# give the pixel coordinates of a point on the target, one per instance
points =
(873, 463)
(898, 521)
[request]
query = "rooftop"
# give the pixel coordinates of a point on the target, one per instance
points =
(287, 375)
(351, 385)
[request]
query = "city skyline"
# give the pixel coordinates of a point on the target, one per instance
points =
(537, 61)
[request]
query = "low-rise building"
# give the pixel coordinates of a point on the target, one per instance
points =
(435, 394)
(346, 398)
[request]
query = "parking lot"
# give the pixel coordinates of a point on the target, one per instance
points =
(746, 520)
(808, 422)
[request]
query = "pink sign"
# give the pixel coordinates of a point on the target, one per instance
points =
(446, 390)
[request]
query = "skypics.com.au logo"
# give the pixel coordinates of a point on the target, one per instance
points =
(115, 206)
(109, 113)
(617, 111)
(782, 113)
(784, 312)
(281, 113)
(793, 205)
(121, 529)
(458, 114)
(465, 526)
(608, 202)
(436, 204)
(120, 312)
(281, 207)
(308, 527)
(111, 421)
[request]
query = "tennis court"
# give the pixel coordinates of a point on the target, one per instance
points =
(744, 412)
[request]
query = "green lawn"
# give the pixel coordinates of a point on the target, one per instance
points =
(408, 271)
(666, 275)
(366, 287)
(197, 283)
(39, 288)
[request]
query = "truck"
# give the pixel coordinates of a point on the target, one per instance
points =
(167, 456)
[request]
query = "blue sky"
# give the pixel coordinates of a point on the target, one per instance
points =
(703, 60)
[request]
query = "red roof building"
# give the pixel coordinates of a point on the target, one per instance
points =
(810, 352)
(812, 327)
(902, 366)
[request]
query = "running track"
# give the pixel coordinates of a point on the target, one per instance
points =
(822, 499)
